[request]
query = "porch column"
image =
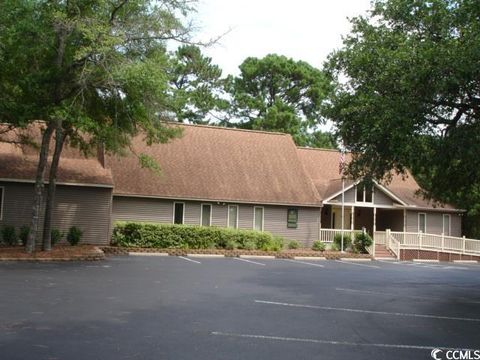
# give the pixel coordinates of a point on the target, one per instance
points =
(374, 220)
(352, 218)
(404, 220)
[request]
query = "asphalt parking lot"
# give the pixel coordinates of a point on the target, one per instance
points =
(200, 308)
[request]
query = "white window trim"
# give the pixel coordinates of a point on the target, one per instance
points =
(418, 218)
(2, 198)
(183, 214)
(228, 216)
(201, 214)
(263, 216)
(365, 195)
(449, 224)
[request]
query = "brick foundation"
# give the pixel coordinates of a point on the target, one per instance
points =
(410, 254)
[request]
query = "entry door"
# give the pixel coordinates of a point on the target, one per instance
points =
(336, 221)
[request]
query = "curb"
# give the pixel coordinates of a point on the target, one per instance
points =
(133, 253)
(309, 258)
(206, 255)
(355, 259)
(256, 256)
(465, 261)
(426, 260)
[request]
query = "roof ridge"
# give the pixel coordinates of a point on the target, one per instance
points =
(317, 149)
(229, 128)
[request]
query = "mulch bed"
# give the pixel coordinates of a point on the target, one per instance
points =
(284, 254)
(58, 253)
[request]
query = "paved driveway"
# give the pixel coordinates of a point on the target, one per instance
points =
(178, 308)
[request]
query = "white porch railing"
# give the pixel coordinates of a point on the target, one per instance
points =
(380, 237)
(423, 241)
(327, 235)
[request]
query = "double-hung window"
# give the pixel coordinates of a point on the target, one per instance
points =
(422, 222)
(446, 225)
(206, 216)
(178, 212)
(233, 216)
(2, 195)
(292, 218)
(258, 218)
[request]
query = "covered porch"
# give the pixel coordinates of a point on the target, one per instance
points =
(371, 219)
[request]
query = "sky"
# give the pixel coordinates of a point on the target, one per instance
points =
(302, 29)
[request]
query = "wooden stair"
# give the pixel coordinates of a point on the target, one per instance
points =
(382, 253)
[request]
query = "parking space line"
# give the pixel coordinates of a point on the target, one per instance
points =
(354, 263)
(248, 261)
(329, 308)
(304, 262)
(427, 266)
(194, 261)
(331, 342)
(427, 298)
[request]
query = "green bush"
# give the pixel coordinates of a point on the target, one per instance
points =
(9, 236)
(56, 236)
(192, 237)
(362, 242)
(293, 244)
(335, 247)
(318, 246)
(74, 235)
(347, 241)
(23, 234)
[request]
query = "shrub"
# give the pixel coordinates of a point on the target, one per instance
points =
(362, 242)
(23, 234)
(74, 235)
(293, 244)
(347, 241)
(318, 246)
(192, 237)
(56, 236)
(9, 235)
(335, 247)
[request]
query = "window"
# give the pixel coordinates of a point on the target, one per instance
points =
(233, 216)
(178, 212)
(292, 218)
(364, 194)
(206, 215)
(258, 218)
(446, 224)
(1, 202)
(422, 222)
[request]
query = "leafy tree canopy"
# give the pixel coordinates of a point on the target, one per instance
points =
(276, 93)
(407, 95)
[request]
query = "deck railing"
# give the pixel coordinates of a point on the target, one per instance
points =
(425, 241)
(327, 235)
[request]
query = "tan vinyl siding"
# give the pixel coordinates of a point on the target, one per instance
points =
(306, 231)
(380, 198)
(245, 217)
(349, 196)
(434, 222)
(143, 209)
(88, 208)
(219, 215)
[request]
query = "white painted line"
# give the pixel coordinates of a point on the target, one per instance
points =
(206, 255)
(257, 257)
(398, 296)
(305, 263)
(329, 308)
(250, 261)
(330, 342)
(456, 268)
(466, 261)
(309, 258)
(134, 253)
(356, 259)
(425, 260)
(194, 261)
(354, 263)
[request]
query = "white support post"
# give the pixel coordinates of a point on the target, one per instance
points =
(374, 220)
(443, 241)
(387, 238)
(420, 239)
(463, 245)
(352, 227)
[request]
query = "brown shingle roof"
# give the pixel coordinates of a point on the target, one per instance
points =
(19, 162)
(322, 165)
(221, 164)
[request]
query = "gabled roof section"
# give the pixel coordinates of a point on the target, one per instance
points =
(322, 165)
(18, 162)
(219, 164)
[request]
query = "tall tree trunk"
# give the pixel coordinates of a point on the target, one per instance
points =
(52, 184)
(39, 184)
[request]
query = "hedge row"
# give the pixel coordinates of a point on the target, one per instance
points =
(148, 235)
